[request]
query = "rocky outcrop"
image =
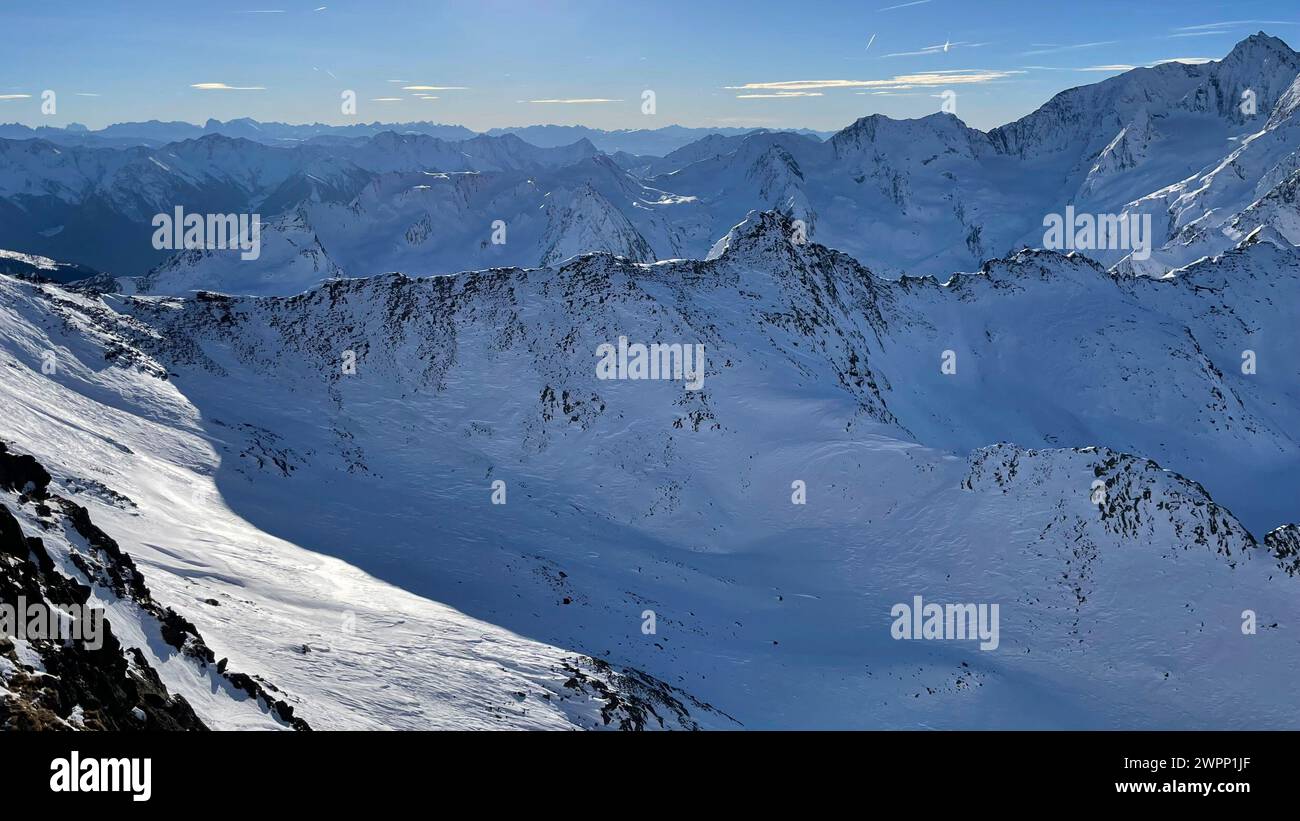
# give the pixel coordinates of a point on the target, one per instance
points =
(47, 683)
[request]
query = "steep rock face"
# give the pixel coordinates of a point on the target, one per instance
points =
(1284, 544)
(1127, 151)
(582, 221)
(1208, 212)
(87, 683)
(1136, 500)
(1081, 121)
(1278, 211)
(1248, 83)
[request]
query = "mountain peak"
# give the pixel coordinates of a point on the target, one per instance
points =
(1257, 43)
(760, 232)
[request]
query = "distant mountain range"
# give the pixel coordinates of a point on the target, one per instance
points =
(1173, 150)
(649, 141)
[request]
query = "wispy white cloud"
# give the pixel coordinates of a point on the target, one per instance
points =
(434, 88)
(780, 95)
(14, 96)
(385, 99)
(900, 81)
(224, 87)
(904, 5)
(941, 48)
(575, 101)
(1075, 47)
(1226, 24)
(1121, 67)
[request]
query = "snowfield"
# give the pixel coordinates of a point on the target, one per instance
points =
(343, 521)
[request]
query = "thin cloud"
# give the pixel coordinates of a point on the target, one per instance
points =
(939, 49)
(780, 95)
(1120, 67)
(1075, 47)
(224, 87)
(576, 101)
(904, 5)
(1235, 24)
(434, 88)
(898, 82)
(385, 99)
(14, 96)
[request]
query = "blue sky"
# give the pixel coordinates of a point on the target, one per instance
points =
(709, 63)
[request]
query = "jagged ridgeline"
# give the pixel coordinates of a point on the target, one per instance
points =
(415, 502)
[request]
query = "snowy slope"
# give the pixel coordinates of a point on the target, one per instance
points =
(52, 555)
(344, 649)
(322, 490)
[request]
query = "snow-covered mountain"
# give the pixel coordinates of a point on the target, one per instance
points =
(30, 266)
(931, 196)
(1207, 153)
(419, 221)
(96, 205)
(406, 494)
(655, 142)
